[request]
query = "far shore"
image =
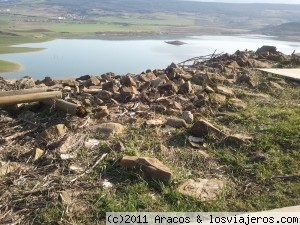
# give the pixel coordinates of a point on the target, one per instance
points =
(7, 66)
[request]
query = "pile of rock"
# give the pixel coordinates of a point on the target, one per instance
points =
(173, 97)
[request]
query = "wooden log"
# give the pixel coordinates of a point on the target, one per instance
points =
(23, 91)
(25, 98)
(68, 107)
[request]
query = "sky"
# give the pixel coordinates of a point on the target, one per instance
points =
(255, 1)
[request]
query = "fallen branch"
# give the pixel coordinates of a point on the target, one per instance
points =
(90, 169)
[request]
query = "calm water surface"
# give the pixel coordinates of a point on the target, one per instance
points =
(76, 57)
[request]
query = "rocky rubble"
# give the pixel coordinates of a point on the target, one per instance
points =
(181, 97)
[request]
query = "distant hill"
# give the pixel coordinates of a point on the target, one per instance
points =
(285, 29)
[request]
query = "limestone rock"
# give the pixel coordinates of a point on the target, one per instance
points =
(48, 81)
(91, 143)
(127, 93)
(176, 123)
(101, 112)
(237, 139)
(158, 108)
(151, 167)
(275, 86)
(110, 128)
(168, 88)
(84, 77)
(205, 189)
(203, 128)
(25, 83)
(237, 103)
(128, 81)
(110, 86)
(217, 98)
(37, 153)
(248, 79)
(225, 91)
(93, 81)
(188, 116)
(186, 88)
(104, 95)
(54, 132)
(154, 122)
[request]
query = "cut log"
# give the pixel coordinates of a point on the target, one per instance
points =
(68, 107)
(25, 98)
(22, 92)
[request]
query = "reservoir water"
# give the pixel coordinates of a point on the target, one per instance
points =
(76, 57)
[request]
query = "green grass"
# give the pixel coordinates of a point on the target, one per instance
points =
(252, 185)
(92, 28)
(6, 66)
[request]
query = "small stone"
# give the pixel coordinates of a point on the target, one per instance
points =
(93, 81)
(258, 157)
(106, 184)
(205, 189)
(158, 108)
(25, 83)
(237, 139)
(67, 156)
(155, 83)
(276, 86)
(110, 128)
(237, 103)
(128, 93)
(48, 81)
(195, 139)
(154, 122)
(203, 128)
(75, 168)
(188, 116)
(67, 88)
(151, 167)
(91, 143)
(176, 123)
(168, 88)
(104, 95)
(208, 89)
(84, 77)
(110, 86)
(186, 88)
(87, 102)
(128, 81)
(65, 198)
(118, 146)
(217, 98)
(225, 91)
(37, 153)
(101, 112)
(55, 132)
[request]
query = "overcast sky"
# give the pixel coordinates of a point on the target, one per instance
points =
(255, 1)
